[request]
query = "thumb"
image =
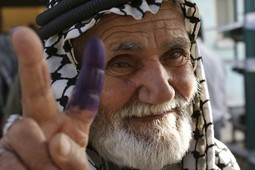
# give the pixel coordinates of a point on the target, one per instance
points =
(67, 154)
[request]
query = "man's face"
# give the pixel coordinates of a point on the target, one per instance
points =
(148, 84)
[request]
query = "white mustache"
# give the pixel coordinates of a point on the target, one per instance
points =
(138, 109)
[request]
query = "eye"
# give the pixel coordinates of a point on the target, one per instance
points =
(121, 65)
(175, 57)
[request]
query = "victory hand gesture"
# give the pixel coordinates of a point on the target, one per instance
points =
(46, 138)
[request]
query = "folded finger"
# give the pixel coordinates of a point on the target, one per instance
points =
(27, 140)
(37, 98)
(67, 154)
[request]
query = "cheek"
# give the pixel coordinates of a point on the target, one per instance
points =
(116, 93)
(184, 81)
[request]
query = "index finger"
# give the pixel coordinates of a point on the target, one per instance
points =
(37, 98)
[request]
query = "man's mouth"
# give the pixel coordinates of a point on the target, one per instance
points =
(148, 118)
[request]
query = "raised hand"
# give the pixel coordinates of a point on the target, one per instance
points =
(46, 138)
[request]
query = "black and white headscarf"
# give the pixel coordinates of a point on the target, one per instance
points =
(205, 152)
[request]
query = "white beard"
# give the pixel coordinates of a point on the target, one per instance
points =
(151, 147)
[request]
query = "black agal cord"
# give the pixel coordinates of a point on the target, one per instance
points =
(68, 12)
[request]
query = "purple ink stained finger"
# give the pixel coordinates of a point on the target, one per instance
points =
(94, 54)
(90, 81)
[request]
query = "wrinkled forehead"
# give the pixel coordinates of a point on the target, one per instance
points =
(168, 17)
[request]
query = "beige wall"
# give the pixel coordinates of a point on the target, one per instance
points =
(13, 17)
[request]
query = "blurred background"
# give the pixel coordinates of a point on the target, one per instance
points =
(16, 12)
(228, 29)
(12, 14)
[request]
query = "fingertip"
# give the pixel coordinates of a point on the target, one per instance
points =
(94, 54)
(21, 33)
(25, 41)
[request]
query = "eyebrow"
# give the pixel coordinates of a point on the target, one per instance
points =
(179, 42)
(125, 46)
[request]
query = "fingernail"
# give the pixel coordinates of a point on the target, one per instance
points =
(94, 53)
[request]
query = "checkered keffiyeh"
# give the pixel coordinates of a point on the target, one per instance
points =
(205, 152)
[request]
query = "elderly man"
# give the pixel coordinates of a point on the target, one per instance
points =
(153, 112)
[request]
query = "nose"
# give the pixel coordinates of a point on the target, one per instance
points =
(153, 85)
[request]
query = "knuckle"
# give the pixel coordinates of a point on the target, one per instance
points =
(9, 160)
(20, 129)
(21, 126)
